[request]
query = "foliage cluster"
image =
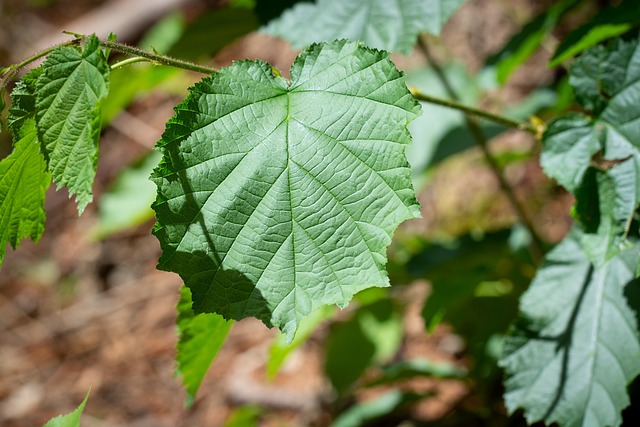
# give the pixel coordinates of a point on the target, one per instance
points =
(278, 198)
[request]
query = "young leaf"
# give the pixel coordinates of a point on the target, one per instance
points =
(23, 176)
(575, 346)
(71, 419)
(127, 202)
(520, 48)
(68, 95)
(276, 198)
(378, 23)
(365, 413)
(611, 22)
(23, 104)
(373, 334)
(201, 337)
(605, 80)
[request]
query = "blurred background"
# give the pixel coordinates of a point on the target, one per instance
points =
(85, 308)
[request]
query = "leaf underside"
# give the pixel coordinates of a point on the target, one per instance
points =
(276, 198)
(392, 25)
(69, 91)
(598, 156)
(575, 346)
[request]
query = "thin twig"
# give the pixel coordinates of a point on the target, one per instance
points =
(480, 139)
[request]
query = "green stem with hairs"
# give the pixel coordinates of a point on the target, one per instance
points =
(471, 111)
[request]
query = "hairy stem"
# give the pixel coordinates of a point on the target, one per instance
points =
(471, 111)
(480, 139)
(128, 61)
(156, 57)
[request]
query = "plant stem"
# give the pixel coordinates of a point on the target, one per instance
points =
(156, 57)
(11, 71)
(537, 245)
(128, 61)
(40, 54)
(472, 111)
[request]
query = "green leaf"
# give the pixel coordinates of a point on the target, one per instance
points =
(597, 157)
(363, 413)
(200, 338)
(244, 416)
(68, 95)
(611, 22)
(407, 369)
(524, 44)
(378, 23)
(3, 104)
(569, 145)
(127, 203)
(575, 346)
(489, 278)
(69, 420)
(23, 177)
(276, 198)
(372, 335)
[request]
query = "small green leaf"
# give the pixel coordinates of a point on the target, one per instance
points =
(363, 413)
(68, 95)
(23, 104)
(3, 104)
(378, 23)
(569, 145)
(528, 40)
(597, 157)
(127, 203)
(276, 198)
(413, 368)
(200, 339)
(69, 420)
(23, 176)
(372, 335)
(611, 22)
(575, 346)
(244, 416)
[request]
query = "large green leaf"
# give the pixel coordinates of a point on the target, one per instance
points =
(276, 198)
(392, 25)
(597, 157)
(201, 337)
(68, 95)
(575, 346)
(23, 176)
